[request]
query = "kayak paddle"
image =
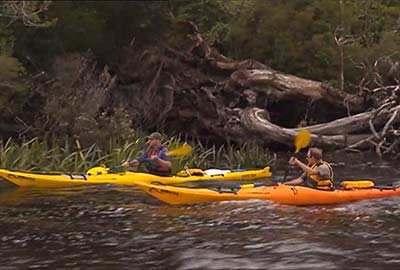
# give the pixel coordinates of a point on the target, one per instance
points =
(183, 150)
(302, 140)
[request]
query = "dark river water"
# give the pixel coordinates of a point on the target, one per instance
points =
(115, 227)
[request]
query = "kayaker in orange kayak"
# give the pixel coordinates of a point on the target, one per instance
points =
(317, 173)
(155, 158)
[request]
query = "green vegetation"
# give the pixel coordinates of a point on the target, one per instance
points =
(293, 36)
(39, 155)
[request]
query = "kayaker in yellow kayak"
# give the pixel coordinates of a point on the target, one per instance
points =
(154, 158)
(317, 173)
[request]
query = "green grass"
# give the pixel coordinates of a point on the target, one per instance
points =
(66, 156)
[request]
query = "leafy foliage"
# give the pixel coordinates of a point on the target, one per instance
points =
(292, 36)
(13, 91)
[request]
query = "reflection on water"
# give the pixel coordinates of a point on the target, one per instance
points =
(111, 227)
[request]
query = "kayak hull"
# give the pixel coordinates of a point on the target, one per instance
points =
(283, 194)
(54, 180)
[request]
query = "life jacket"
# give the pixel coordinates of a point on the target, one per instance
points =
(315, 181)
(154, 167)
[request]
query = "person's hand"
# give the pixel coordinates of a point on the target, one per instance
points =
(293, 161)
(125, 164)
(134, 162)
(154, 157)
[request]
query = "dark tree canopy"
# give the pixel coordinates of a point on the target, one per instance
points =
(197, 67)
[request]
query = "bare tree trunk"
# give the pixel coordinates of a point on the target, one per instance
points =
(332, 135)
(338, 41)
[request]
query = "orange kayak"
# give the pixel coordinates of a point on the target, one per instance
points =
(283, 194)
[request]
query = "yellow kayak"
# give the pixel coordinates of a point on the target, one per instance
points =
(280, 193)
(50, 180)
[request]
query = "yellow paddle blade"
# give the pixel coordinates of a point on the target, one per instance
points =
(302, 140)
(97, 171)
(180, 151)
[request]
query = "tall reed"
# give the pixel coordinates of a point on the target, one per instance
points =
(69, 156)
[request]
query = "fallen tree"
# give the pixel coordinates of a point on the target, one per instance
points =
(177, 92)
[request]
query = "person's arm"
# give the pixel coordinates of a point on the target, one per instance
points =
(301, 165)
(162, 159)
(296, 181)
(131, 163)
(163, 163)
(136, 162)
(324, 171)
(143, 157)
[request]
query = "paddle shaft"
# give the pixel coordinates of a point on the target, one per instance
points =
(286, 172)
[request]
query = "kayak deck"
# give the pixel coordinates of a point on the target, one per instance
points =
(283, 194)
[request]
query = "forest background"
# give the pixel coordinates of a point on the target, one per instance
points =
(57, 56)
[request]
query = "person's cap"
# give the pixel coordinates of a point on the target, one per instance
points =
(154, 136)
